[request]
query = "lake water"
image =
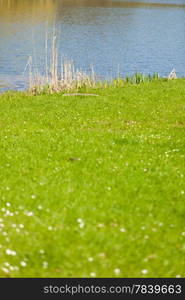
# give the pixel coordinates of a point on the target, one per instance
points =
(112, 35)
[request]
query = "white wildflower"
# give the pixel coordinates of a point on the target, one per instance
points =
(90, 259)
(81, 225)
(45, 264)
(144, 271)
(5, 270)
(100, 225)
(10, 252)
(117, 271)
(79, 220)
(23, 264)
(29, 213)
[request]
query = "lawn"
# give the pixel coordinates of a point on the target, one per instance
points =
(93, 186)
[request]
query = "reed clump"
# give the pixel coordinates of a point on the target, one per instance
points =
(68, 79)
(59, 75)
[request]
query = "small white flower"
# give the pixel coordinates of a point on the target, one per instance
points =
(8, 204)
(122, 229)
(5, 270)
(33, 196)
(100, 225)
(39, 207)
(144, 271)
(21, 225)
(45, 264)
(41, 251)
(178, 276)
(50, 228)
(81, 225)
(102, 255)
(117, 271)
(79, 220)
(183, 233)
(7, 213)
(93, 274)
(23, 264)
(7, 264)
(182, 192)
(29, 213)
(14, 225)
(10, 252)
(90, 259)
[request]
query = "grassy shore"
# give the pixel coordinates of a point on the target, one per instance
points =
(93, 186)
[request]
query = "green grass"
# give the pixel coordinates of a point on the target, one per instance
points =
(116, 162)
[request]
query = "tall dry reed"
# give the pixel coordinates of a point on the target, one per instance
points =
(59, 75)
